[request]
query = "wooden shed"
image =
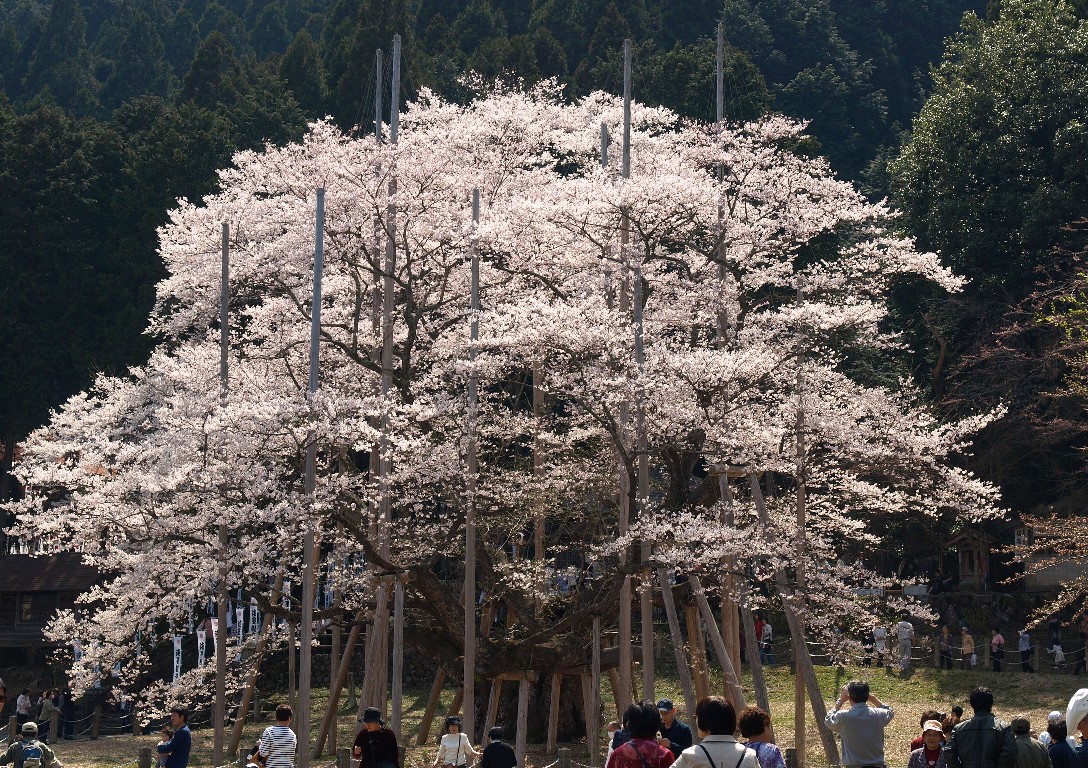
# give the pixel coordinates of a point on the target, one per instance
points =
(973, 549)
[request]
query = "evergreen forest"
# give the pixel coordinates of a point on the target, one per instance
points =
(970, 117)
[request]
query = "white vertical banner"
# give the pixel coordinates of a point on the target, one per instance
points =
(285, 600)
(230, 616)
(201, 647)
(137, 643)
(239, 622)
(177, 657)
(215, 633)
(77, 650)
(117, 669)
(254, 616)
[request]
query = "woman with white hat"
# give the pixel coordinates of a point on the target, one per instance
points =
(1076, 718)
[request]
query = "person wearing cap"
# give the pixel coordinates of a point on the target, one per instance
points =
(861, 727)
(983, 741)
(498, 754)
(455, 748)
(28, 748)
(929, 754)
(676, 735)
(375, 745)
(1044, 737)
(1030, 753)
(929, 714)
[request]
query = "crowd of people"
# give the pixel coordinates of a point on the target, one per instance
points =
(948, 740)
(960, 649)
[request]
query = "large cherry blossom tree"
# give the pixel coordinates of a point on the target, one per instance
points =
(762, 281)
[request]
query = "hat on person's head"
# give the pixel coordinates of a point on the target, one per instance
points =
(1020, 724)
(30, 727)
(453, 720)
(665, 705)
(1077, 710)
(1054, 716)
(932, 725)
(373, 715)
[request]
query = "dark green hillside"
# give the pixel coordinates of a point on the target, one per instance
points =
(144, 99)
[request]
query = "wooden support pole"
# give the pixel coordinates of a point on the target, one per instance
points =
(334, 669)
(763, 699)
(493, 705)
(698, 665)
(458, 700)
(585, 679)
(564, 757)
(523, 720)
(432, 706)
(292, 667)
(553, 714)
(398, 659)
(251, 685)
(343, 758)
(678, 647)
(328, 722)
(219, 715)
(614, 684)
(96, 722)
(594, 723)
(469, 675)
(731, 675)
(805, 669)
(144, 759)
(624, 641)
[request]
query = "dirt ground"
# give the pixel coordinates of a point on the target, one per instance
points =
(909, 694)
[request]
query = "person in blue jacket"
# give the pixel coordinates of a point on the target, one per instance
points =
(178, 748)
(675, 735)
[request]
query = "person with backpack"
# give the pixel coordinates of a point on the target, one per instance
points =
(716, 721)
(28, 752)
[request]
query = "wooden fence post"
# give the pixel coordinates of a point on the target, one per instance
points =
(1038, 656)
(96, 722)
(343, 758)
(986, 654)
(791, 758)
(54, 726)
(144, 760)
(13, 729)
(564, 757)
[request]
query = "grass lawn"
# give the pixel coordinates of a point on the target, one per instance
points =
(909, 694)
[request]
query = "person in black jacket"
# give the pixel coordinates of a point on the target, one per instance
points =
(497, 754)
(983, 741)
(67, 714)
(676, 736)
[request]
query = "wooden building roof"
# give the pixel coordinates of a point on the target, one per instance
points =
(64, 572)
